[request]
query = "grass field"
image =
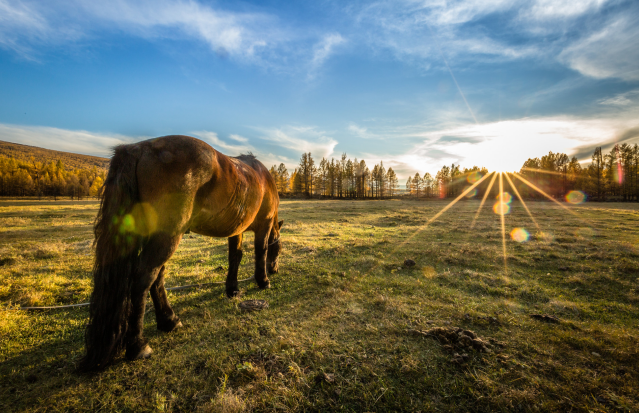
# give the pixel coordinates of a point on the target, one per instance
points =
(350, 327)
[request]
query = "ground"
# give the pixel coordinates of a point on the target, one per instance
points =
(349, 326)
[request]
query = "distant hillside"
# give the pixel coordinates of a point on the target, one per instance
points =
(70, 160)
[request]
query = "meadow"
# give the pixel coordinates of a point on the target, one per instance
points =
(349, 326)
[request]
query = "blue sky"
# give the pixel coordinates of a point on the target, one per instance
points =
(417, 84)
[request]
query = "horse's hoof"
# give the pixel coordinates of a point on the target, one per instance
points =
(232, 294)
(145, 353)
(169, 325)
(264, 285)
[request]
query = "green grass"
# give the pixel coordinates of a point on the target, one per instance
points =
(341, 333)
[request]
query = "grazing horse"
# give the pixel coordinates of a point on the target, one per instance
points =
(155, 191)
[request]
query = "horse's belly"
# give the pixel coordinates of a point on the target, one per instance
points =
(222, 226)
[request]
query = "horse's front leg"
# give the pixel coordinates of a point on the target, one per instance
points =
(235, 257)
(261, 246)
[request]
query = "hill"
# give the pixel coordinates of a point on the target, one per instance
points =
(70, 160)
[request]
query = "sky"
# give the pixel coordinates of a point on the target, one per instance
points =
(415, 84)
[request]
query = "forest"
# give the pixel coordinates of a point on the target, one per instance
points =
(50, 179)
(609, 176)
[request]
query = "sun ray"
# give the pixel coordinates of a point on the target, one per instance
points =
(447, 207)
(530, 184)
(503, 219)
(543, 171)
(463, 194)
(512, 185)
(420, 229)
(490, 186)
(549, 172)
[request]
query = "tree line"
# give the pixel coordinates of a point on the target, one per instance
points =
(337, 178)
(609, 176)
(52, 179)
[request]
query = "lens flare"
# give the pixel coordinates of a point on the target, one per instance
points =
(505, 197)
(474, 177)
(576, 197)
(501, 208)
(472, 193)
(127, 224)
(519, 235)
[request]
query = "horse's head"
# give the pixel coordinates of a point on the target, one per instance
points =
(274, 249)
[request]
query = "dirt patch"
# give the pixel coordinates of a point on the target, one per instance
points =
(7, 261)
(546, 318)
(457, 340)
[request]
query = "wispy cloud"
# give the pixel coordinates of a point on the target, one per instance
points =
(622, 99)
(363, 132)
(76, 141)
(30, 27)
(543, 10)
(609, 52)
(322, 51)
(464, 30)
(238, 138)
(234, 34)
(628, 136)
(228, 148)
(300, 139)
(244, 146)
(23, 28)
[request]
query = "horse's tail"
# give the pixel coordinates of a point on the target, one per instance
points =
(117, 249)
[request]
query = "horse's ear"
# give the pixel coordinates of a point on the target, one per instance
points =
(279, 224)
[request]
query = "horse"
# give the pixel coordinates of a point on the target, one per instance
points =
(155, 191)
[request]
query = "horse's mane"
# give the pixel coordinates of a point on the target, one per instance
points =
(249, 159)
(248, 155)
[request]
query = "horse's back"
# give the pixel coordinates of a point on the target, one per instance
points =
(184, 183)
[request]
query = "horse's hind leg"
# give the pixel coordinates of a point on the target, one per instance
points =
(235, 257)
(164, 315)
(261, 247)
(155, 252)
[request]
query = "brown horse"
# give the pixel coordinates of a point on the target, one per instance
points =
(155, 191)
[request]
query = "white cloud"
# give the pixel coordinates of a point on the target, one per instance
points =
(228, 149)
(21, 26)
(424, 29)
(622, 99)
(361, 132)
(235, 34)
(76, 141)
(238, 138)
(553, 9)
(610, 52)
(267, 158)
(300, 139)
(505, 145)
(322, 51)
(420, 32)
(30, 25)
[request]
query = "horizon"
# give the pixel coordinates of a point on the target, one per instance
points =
(414, 85)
